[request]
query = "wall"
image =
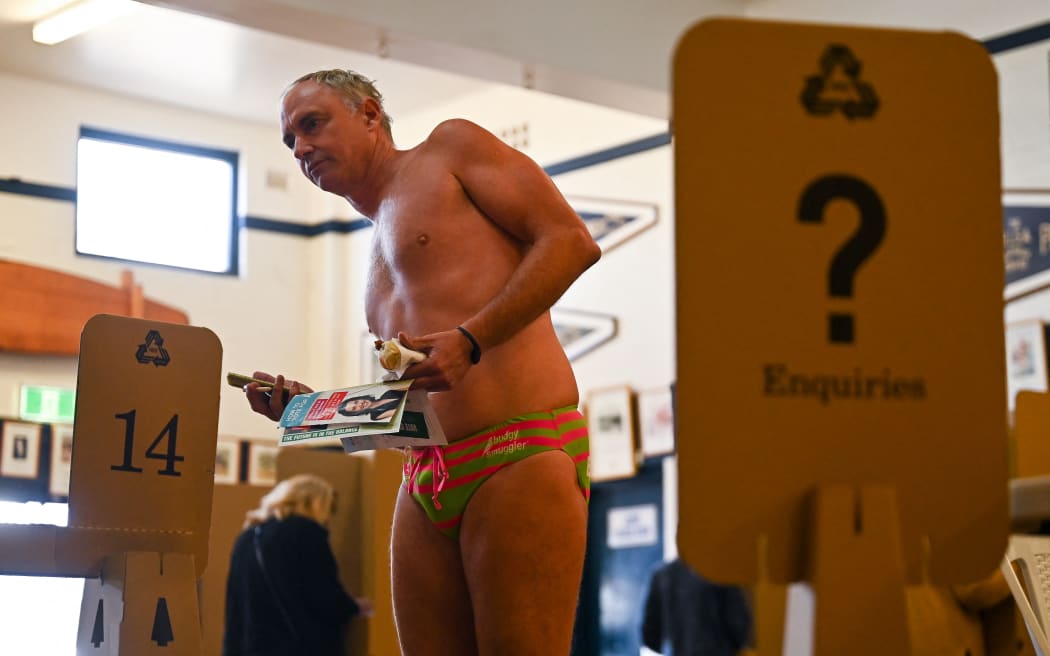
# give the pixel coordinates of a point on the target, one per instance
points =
(244, 311)
(297, 306)
(258, 316)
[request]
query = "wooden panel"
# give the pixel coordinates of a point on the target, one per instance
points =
(45, 310)
(383, 483)
(348, 531)
(367, 486)
(229, 504)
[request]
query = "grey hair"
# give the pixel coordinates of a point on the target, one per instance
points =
(354, 87)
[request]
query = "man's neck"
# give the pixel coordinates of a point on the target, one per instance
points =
(383, 167)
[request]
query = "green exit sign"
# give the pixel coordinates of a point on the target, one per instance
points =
(52, 405)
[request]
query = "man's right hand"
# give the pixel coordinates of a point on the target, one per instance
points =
(269, 402)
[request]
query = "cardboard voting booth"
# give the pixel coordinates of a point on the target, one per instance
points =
(1031, 429)
(841, 399)
(366, 487)
(1025, 565)
(141, 487)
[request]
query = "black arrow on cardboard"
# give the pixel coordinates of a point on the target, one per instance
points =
(162, 633)
(98, 632)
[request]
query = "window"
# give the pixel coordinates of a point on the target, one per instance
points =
(39, 614)
(158, 202)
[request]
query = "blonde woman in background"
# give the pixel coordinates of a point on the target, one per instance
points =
(283, 595)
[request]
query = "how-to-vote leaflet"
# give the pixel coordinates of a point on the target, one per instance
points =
(374, 416)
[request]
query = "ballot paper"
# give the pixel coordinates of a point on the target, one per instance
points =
(374, 416)
(419, 427)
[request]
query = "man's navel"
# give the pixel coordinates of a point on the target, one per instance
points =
(422, 239)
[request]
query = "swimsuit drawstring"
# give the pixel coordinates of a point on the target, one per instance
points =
(440, 473)
(437, 468)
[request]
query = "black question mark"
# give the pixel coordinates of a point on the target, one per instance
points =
(859, 247)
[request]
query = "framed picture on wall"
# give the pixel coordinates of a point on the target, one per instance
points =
(227, 462)
(581, 332)
(262, 464)
(610, 421)
(1026, 365)
(61, 459)
(612, 222)
(20, 457)
(1026, 217)
(656, 421)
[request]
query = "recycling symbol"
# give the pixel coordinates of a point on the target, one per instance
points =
(839, 87)
(153, 350)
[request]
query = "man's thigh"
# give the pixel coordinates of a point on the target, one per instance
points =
(431, 603)
(523, 540)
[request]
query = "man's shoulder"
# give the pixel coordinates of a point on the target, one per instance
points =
(455, 127)
(456, 134)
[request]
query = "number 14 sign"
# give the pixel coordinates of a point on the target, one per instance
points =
(145, 436)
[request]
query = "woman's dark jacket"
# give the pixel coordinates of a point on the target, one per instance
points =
(303, 572)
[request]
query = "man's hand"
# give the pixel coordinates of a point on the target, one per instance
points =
(448, 360)
(270, 402)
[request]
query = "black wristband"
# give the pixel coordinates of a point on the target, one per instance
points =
(475, 348)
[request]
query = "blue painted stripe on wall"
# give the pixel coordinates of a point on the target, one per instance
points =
(273, 225)
(16, 186)
(995, 45)
(1018, 38)
(336, 225)
(305, 229)
(609, 154)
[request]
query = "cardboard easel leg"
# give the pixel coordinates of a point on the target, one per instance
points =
(857, 574)
(770, 607)
(144, 603)
(770, 613)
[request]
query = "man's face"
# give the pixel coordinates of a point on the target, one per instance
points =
(329, 139)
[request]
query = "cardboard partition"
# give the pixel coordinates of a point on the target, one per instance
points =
(1032, 435)
(143, 604)
(839, 294)
(144, 439)
(144, 455)
(366, 485)
(383, 480)
(347, 531)
(230, 503)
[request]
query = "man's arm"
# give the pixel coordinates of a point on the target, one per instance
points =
(513, 192)
(518, 196)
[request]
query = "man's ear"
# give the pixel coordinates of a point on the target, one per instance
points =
(371, 111)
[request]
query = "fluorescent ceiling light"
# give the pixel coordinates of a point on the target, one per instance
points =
(78, 17)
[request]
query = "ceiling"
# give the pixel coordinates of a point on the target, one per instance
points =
(220, 67)
(201, 63)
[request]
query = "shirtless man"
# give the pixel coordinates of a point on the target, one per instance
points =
(472, 245)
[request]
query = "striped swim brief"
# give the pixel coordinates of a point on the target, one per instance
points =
(461, 467)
